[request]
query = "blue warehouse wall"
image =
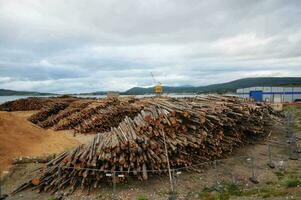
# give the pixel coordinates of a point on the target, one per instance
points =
(273, 94)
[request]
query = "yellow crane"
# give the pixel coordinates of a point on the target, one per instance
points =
(158, 86)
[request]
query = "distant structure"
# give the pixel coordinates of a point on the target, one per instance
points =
(158, 86)
(271, 94)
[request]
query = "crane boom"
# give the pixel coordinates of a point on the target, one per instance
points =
(153, 77)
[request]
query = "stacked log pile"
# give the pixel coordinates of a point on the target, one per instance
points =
(192, 131)
(45, 113)
(76, 118)
(87, 116)
(32, 103)
(104, 119)
(74, 107)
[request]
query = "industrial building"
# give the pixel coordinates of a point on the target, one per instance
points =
(271, 94)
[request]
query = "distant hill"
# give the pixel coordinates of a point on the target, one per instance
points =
(4, 92)
(223, 87)
(166, 89)
(216, 88)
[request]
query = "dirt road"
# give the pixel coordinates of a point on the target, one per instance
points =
(19, 137)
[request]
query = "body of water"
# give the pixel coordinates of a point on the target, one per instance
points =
(4, 99)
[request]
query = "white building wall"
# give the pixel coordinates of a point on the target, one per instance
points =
(297, 89)
(277, 98)
(266, 97)
(252, 88)
(288, 97)
(277, 89)
(267, 89)
(239, 90)
(259, 88)
(246, 90)
(296, 96)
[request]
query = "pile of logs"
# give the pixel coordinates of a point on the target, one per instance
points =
(104, 119)
(31, 103)
(190, 130)
(76, 118)
(35, 103)
(86, 116)
(74, 107)
(45, 113)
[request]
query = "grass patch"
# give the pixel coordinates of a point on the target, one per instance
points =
(291, 182)
(233, 189)
(269, 183)
(288, 179)
(207, 195)
(279, 174)
(142, 198)
(214, 196)
(266, 192)
(227, 190)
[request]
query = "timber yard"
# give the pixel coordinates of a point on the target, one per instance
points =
(150, 100)
(146, 148)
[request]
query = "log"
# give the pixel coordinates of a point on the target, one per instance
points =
(37, 159)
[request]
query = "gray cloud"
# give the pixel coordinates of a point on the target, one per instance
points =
(81, 46)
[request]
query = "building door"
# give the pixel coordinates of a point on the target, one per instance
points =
(256, 95)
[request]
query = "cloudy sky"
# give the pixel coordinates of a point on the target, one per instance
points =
(85, 45)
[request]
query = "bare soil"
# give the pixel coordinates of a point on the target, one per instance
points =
(19, 137)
